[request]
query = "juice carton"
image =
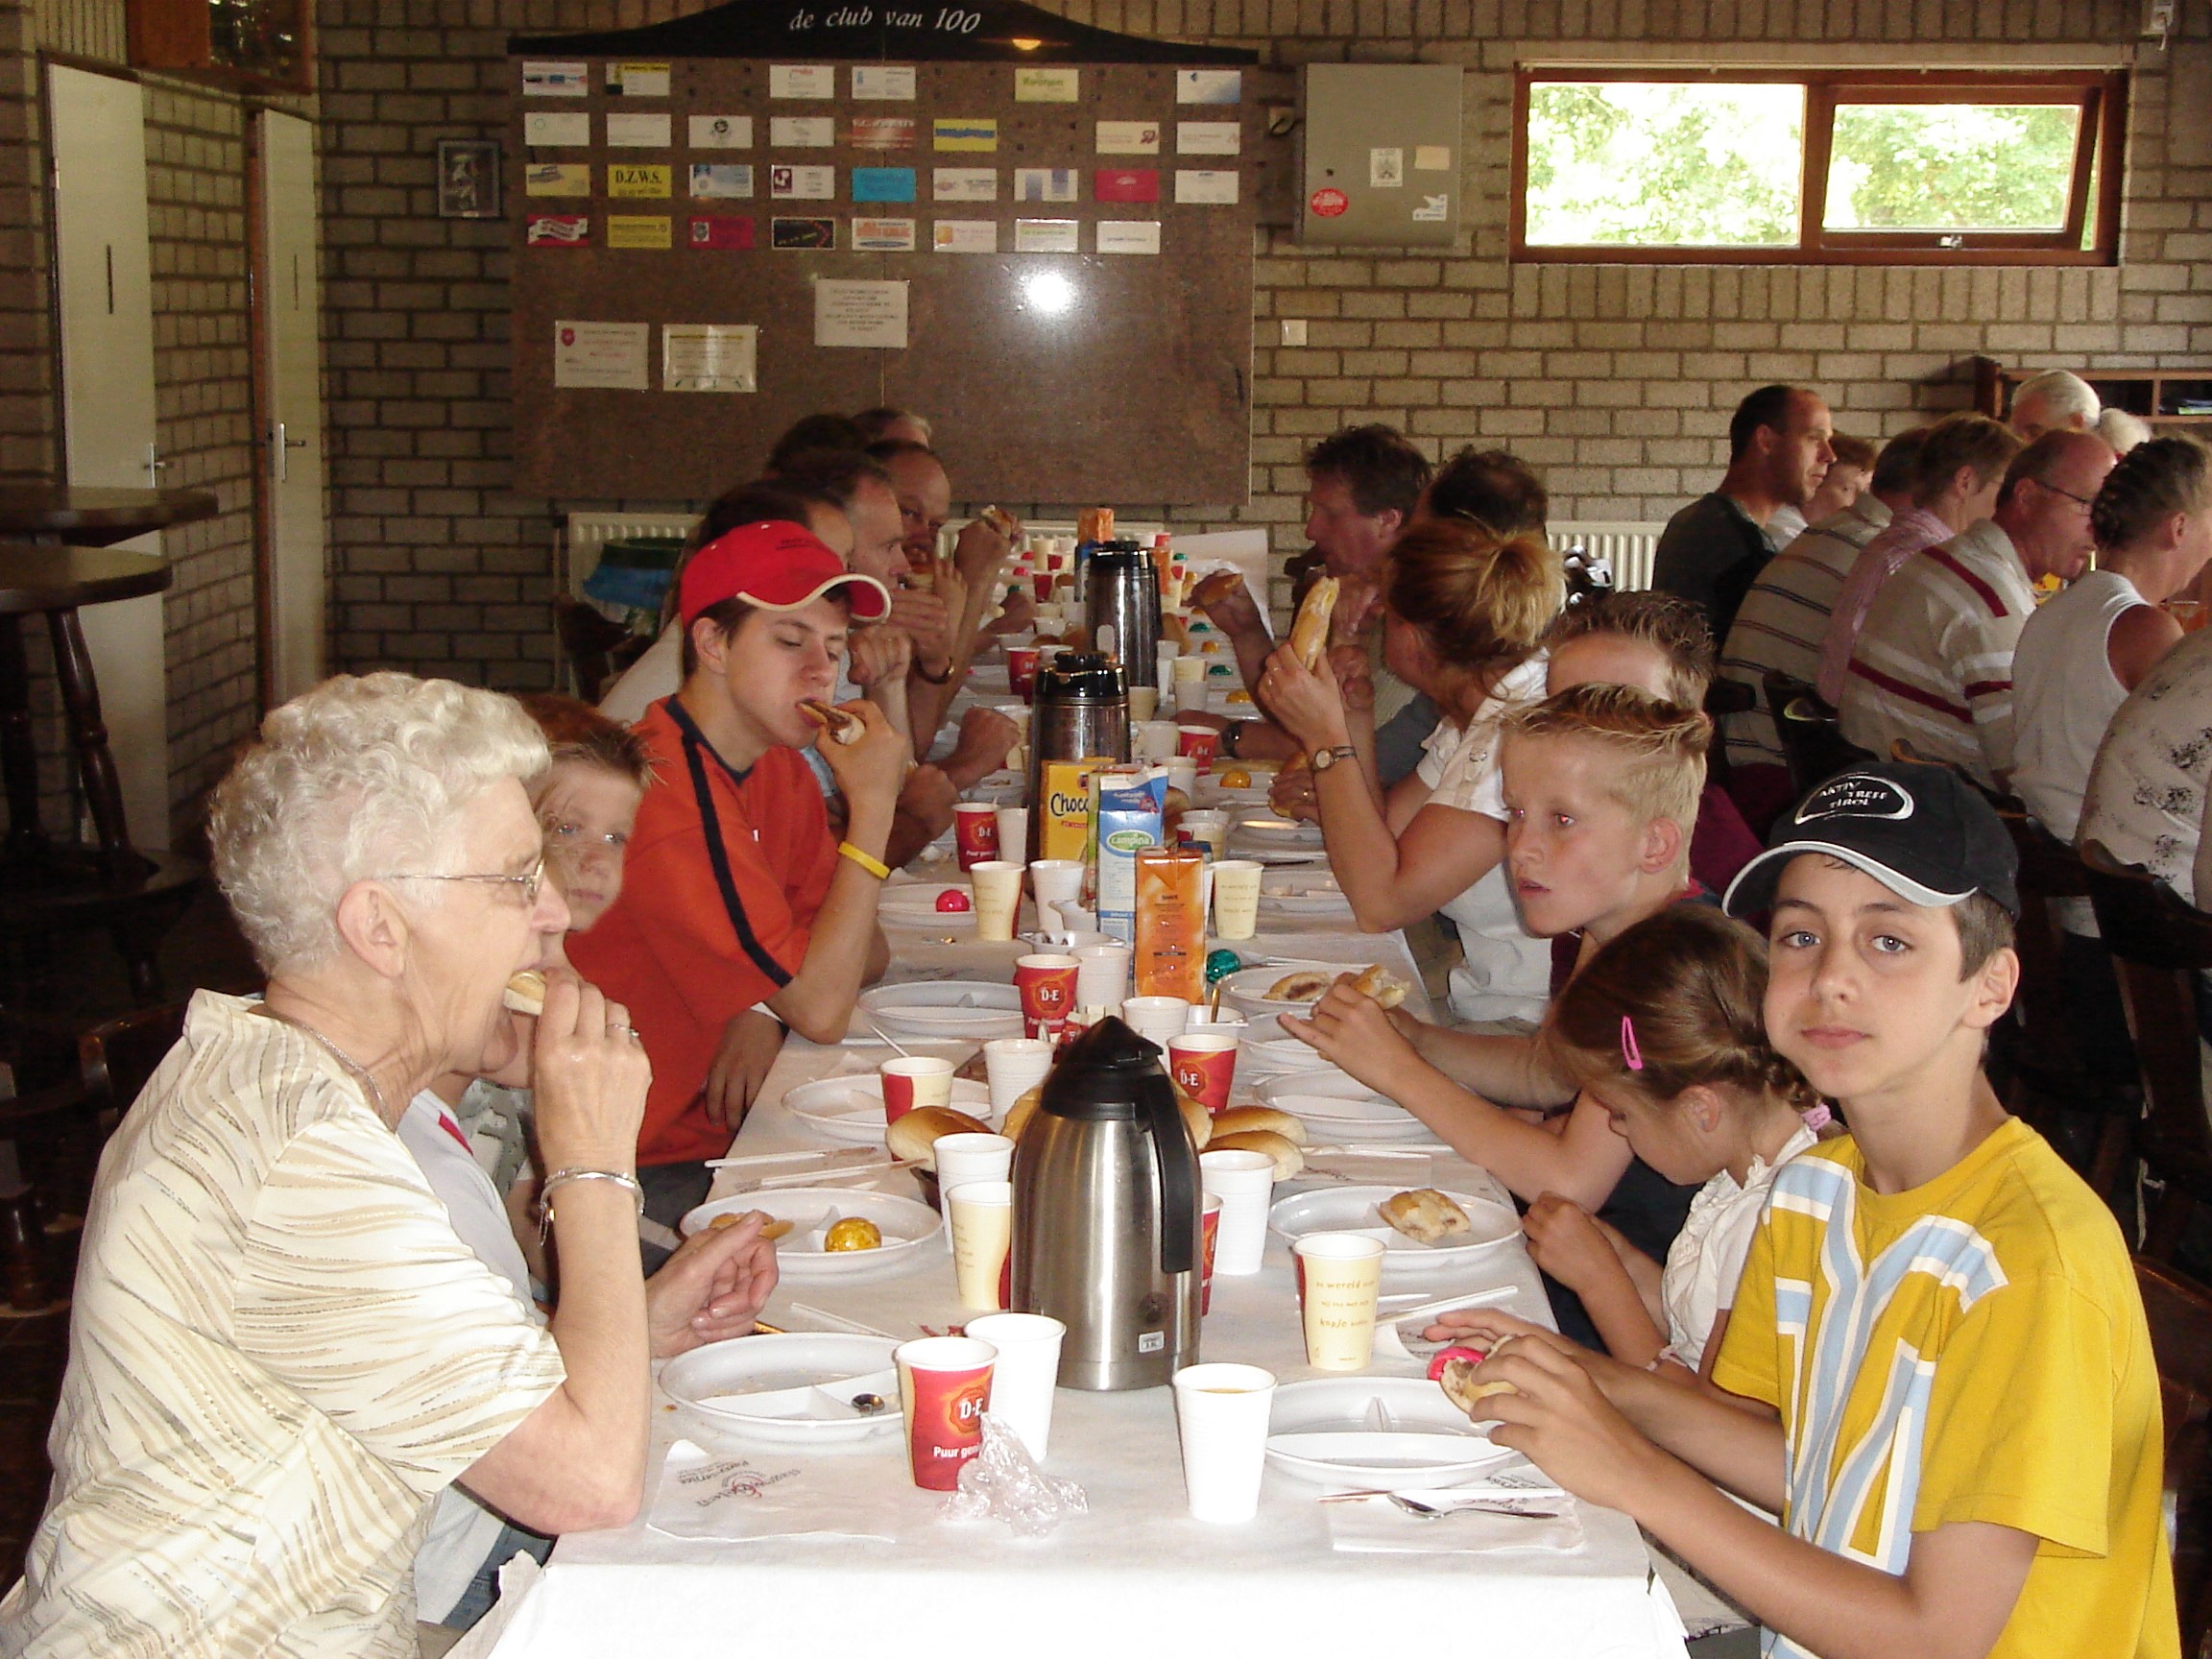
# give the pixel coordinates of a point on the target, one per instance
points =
(1171, 957)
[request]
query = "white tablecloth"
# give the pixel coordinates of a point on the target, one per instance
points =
(1134, 1574)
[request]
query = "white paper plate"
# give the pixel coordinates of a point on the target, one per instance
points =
(789, 1390)
(946, 1008)
(1247, 989)
(912, 1231)
(851, 1109)
(1278, 832)
(1264, 1045)
(1334, 1117)
(914, 904)
(1352, 1209)
(1312, 891)
(1376, 1431)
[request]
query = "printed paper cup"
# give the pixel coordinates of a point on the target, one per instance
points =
(908, 1082)
(1048, 987)
(976, 832)
(1205, 1065)
(1021, 660)
(1201, 743)
(981, 1214)
(1340, 1274)
(944, 1388)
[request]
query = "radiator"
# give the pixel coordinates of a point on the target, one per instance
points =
(589, 532)
(1627, 546)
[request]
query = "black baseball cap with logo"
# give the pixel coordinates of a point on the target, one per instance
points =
(1922, 832)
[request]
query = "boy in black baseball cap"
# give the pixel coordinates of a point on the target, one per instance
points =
(1959, 1420)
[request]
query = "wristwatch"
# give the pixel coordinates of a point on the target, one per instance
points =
(1232, 736)
(1324, 758)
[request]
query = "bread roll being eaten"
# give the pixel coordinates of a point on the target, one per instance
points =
(526, 993)
(916, 1135)
(1382, 985)
(1306, 985)
(1458, 1378)
(1425, 1215)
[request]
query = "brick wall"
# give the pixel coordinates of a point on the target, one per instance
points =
(196, 166)
(1616, 380)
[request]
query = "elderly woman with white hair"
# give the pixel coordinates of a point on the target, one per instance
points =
(279, 1351)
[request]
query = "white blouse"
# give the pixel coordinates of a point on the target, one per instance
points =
(1707, 1256)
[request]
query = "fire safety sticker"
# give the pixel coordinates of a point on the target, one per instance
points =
(1328, 203)
(1386, 169)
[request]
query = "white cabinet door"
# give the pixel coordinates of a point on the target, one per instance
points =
(293, 439)
(98, 124)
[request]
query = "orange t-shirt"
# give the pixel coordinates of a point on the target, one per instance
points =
(697, 938)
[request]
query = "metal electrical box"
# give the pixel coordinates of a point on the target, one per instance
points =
(1382, 155)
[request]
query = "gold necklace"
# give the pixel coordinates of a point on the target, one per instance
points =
(360, 1072)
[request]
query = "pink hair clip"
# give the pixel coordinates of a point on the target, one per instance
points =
(1629, 1052)
(1817, 1118)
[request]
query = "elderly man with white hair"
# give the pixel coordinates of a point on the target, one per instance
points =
(279, 1351)
(2052, 401)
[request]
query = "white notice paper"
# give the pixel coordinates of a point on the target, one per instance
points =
(542, 79)
(965, 236)
(802, 131)
(1048, 237)
(639, 131)
(1208, 137)
(1128, 235)
(1210, 188)
(708, 357)
(883, 81)
(1128, 138)
(560, 132)
(802, 183)
(608, 355)
(1209, 86)
(802, 80)
(721, 131)
(1385, 169)
(860, 313)
(639, 79)
(964, 184)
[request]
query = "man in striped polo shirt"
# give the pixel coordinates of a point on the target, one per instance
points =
(1933, 663)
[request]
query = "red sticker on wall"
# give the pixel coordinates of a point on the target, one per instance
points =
(1328, 203)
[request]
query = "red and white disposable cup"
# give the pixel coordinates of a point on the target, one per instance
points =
(1048, 987)
(1201, 743)
(976, 832)
(922, 1080)
(1021, 660)
(1209, 1235)
(944, 1389)
(1204, 1065)
(1041, 582)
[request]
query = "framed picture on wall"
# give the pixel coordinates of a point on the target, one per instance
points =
(468, 179)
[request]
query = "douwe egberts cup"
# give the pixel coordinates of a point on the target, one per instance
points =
(1046, 983)
(1209, 1242)
(1156, 1019)
(976, 832)
(1236, 898)
(913, 1081)
(1221, 1416)
(1201, 743)
(1025, 1374)
(1021, 660)
(1244, 1182)
(1013, 1066)
(998, 885)
(981, 1217)
(1204, 1065)
(944, 1389)
(1338, 1277)
(970, 1155)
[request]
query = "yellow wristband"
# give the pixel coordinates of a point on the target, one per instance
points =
(875, 866)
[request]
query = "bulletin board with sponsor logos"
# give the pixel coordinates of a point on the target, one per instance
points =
(1038, 233)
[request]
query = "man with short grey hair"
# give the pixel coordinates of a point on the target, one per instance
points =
(2051, 402)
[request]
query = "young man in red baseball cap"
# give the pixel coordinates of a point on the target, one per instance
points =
(737, 893)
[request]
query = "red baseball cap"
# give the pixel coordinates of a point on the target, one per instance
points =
(776, 565)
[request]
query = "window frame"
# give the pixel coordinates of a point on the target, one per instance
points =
(2101, 95)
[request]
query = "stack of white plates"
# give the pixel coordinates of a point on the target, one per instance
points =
(954, 1008)
(912, 1232)
(1265, 1046)
(1383, 1433)
(790, 1391)
(1309, 890)
(1268, 832)
(851, 1109)
(1348, 1118)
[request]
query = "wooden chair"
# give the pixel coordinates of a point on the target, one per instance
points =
(1813, 742)
(116, 1058)
(2180, 1312)
(2160, 945)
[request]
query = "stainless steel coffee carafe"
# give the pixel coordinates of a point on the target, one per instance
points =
(1122, 605)
(1081, 709)
(1106, 1205)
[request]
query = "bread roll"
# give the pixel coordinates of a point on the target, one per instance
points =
(1216, 588)
(1306, 985)
(1196, 1119)
(526, 993)
(1385, 986)
(1289, 1159)
(1310, 634)
(836, 725)
(1024, 1109)
(1425, 1215)
(1463, 1391)
(915, 1135)
(1242, 1119)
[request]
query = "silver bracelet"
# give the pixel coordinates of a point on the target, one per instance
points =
(559, 1177)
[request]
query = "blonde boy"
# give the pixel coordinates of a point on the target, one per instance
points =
(1602, 785)
(1948, 1389)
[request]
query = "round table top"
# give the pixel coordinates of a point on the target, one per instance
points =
(44, 576)
(87, 516)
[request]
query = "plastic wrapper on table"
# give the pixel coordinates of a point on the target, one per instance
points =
(1003, 1482)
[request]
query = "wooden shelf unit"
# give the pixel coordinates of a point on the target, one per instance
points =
(2154, 395)
(255, 45)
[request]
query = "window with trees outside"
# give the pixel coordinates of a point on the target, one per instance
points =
(1862, 167)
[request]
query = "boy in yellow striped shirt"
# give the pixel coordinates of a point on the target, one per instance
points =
(1938, 1369)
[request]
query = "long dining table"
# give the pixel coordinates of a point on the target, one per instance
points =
(846, 1556)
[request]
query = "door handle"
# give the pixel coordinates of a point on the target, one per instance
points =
(155, 467)
(280, 445)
